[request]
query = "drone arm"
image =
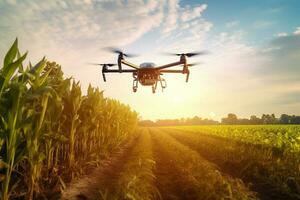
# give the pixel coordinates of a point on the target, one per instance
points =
(170, 65)
(172, 71)
(105, 70)
(187, 72)
(117, 71)
(129, 64)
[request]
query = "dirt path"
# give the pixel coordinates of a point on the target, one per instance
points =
(102, 179)
(172, 182)
(169, 180)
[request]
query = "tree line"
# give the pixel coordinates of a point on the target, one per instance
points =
(230, 119)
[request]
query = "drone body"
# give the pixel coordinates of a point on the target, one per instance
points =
(148, 74)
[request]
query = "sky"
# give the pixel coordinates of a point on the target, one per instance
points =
(253, 66)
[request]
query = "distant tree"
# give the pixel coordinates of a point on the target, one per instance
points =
(231, 119)
(269, 119)
(295, 119)
(243, 121)
(255, 120)
(285, 119)
(196, 120)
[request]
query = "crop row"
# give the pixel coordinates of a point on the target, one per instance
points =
(204, 177)
(283, 138)
(136, 180)
(277, 175)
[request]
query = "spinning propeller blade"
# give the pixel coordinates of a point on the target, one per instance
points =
(191, 54)
(119, 51)
(103, 64)
(193, 64)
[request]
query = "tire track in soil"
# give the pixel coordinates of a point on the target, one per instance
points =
(264, 191)
(171, 184)
(103, 178)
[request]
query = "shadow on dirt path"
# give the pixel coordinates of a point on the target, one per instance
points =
(101, 179)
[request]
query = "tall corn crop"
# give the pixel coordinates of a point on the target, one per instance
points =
(49, 130)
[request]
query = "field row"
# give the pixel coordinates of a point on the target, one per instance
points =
(282, 138)
(158, 166)
(170, 163)
(273, 174)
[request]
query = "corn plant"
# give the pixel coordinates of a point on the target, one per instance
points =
(37, 97)
(11, 98)
(49, 131)
(72, 103)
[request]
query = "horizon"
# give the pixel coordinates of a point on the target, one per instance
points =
(253, 66)
(217, 120)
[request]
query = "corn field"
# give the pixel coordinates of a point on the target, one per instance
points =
(49, 131)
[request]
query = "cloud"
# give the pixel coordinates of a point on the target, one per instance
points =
(74, 32)
(281, 34)
(297, 31)
(91, 22)
(189, 30)
(171, 17)
(190, 14)
(181, 19)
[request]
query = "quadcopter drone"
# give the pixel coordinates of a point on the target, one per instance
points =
(148, 74)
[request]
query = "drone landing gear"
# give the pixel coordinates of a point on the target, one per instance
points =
(162, 82)
(135, 83)
(154, 88)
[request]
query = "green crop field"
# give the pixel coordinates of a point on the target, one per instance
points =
(207, 162)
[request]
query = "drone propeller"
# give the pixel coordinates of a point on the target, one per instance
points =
(194, 64)
(104, 68)
(191, 54)
(119, 51)
(104, 64)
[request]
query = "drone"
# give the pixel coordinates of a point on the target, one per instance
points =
(147, 73)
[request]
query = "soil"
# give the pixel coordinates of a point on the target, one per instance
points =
(101, 179)
(170, 181)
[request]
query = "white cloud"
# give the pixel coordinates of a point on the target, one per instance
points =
(190, 14)
(282, 34)
(74, 32)
(110, 22)
(179, 19)
(171, 17)
(297, 31)
(189, 31)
